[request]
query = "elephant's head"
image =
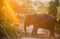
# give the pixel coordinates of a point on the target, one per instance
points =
(28, 21)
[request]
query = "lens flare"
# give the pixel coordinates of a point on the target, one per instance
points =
(10, 12)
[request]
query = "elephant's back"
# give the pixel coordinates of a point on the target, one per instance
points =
(44, 20)
(45, 17)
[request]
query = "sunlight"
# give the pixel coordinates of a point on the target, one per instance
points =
(43, 1)
(19, 2)
(40, 30)
(30, 28)
(10, 13)
(8, 6)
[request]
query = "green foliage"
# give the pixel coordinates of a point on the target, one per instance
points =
(58, 12)
(7, 29)
(10, 31)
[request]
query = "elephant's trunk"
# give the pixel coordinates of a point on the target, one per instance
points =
(25, 29)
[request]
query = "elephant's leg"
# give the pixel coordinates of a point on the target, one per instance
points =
(34, 31)
(25, 30)
(52, 32)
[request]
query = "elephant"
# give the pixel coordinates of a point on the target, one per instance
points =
(44, 21)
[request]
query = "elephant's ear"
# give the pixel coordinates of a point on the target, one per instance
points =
(29, 16)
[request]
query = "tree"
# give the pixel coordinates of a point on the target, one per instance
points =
(53, 8)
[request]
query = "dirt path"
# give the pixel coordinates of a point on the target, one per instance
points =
(39, 37)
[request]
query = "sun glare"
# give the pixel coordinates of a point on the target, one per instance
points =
(44, 1)
(10, 13)
(8, 6)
